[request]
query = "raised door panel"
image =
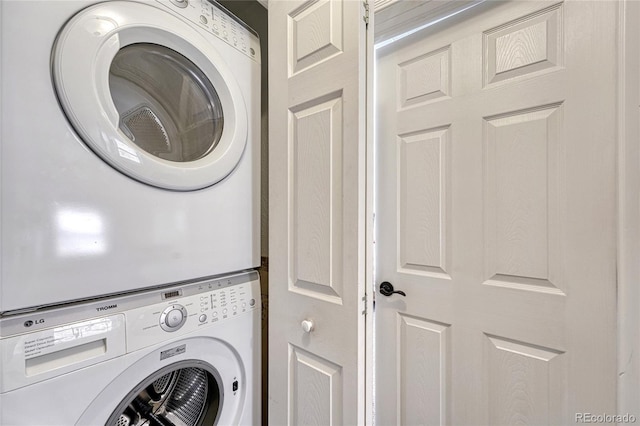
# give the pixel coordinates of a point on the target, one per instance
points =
(424, 371)
(525, 383)
(524, 47)
(315, 224)
(316, 389)
(522, 153)
(425, 78)
(314, 34)
(423, 180)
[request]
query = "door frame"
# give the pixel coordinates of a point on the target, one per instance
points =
(628, 176)
(628, 209)
(369, 231)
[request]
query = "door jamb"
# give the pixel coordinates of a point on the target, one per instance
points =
(628, 267)
(369, 277)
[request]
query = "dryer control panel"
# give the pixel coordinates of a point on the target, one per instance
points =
(215, 302)
(212, 18)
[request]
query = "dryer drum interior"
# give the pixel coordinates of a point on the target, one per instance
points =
(167, 106)
(180, 395)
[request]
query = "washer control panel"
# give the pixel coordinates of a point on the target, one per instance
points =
(180, 313)
(225, 303)
(215, 20)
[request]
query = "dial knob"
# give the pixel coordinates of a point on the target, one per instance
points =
(173, 317)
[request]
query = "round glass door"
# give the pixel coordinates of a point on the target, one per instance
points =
(167, 106)
(151, 95)
(184, 394)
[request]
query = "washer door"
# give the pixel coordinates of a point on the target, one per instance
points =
(150, 95)
(197, 381)
(187, 393)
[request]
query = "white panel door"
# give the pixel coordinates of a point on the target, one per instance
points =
(317, 203)
(496, 215)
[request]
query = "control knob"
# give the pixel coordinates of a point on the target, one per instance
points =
(173, 317)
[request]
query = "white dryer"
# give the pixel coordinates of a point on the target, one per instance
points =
(130, 147)
(183, 355)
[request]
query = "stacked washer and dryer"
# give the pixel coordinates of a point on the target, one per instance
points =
(129, 214)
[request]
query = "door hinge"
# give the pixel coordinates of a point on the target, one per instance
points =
(364, 300)
(365, 17)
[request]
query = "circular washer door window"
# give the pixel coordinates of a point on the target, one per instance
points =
(150, 95)
(183, 394)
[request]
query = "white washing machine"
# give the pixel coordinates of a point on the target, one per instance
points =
(130, 147)
(181, 355)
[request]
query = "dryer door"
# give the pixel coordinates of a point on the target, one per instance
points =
(150, 94)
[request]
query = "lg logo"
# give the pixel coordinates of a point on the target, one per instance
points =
(29, 323)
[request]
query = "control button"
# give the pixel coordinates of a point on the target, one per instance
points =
(203, 19)
(252, 302)
(180, 3)
(224, 311)
(173, 317)
(244, 305)
(202, 318)
(215, 314)
(235, 308)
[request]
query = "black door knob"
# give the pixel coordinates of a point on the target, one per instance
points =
(386, 289)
